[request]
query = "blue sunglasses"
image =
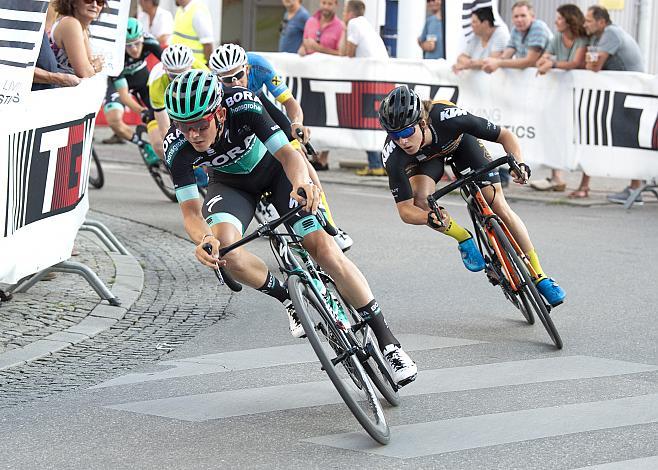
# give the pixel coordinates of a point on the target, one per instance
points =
(403, 134)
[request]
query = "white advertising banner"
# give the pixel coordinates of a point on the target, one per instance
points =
(108, 35)
(21, 31)
(604, 123)
(44, 165)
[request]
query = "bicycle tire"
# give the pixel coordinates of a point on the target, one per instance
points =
(96, 176)
(348, 375)
(491, 258)
(375, 361)
(161, 176)
(528, 286)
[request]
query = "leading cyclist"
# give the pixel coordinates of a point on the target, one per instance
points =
(248, 154)
(421, 135)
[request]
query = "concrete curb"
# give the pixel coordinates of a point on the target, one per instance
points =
(127, 287)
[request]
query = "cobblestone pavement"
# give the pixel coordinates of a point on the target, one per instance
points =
(52, 306)
(178, 300)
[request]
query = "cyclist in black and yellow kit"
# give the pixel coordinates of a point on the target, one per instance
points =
(247, 154)
(421, 135)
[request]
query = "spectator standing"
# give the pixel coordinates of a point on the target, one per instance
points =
(529, 39)
(193, 28)
(612, 48)
(69, 36)
(292, 26)
(488, 40)
(567, 52)
(323, 30)
(361, 40)
(431, 39)
(156, 21)
(322, 33)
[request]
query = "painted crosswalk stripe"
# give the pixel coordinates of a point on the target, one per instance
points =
(450, 435)
(290, 396)
(264, 357)
(648, 463)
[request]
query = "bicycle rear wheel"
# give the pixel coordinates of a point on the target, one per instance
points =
(343, 367)
(373, 364)
(532, 297)
(96, 177)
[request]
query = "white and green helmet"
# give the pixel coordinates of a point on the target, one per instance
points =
(193, 95)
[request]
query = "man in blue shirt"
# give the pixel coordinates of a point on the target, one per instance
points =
(292, 26)
(431, 39)
(529, 38)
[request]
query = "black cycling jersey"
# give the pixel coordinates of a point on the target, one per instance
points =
(242, 162)
(454, 134)
(135, 73)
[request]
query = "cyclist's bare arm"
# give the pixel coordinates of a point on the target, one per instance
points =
(197, 229)
(163, 121)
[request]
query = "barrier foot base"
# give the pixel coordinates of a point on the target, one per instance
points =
(72, 267)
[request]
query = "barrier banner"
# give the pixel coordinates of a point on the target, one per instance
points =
(108, 35)
(44, 165)
(21, 31)
(604, 123)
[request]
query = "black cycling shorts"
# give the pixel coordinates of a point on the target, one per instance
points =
(232, 197)
(470, 153)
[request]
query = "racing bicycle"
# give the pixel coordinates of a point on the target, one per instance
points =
(506, 265)
(343, 342)
(96, 176)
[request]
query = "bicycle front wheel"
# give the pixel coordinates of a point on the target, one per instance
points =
(96, 177)
(342, 366)
(374, 364)
(530, 295)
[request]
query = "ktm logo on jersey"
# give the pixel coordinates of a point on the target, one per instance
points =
(450, 113)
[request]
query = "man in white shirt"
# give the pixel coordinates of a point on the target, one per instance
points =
(157, 21)
(360, 37)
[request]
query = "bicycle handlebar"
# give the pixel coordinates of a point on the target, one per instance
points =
(459, 182)
(309, 148)
(223, 275)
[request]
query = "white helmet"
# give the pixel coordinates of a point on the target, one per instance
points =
(177, 58)
(227, 57)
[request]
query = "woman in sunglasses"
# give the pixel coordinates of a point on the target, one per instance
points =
(421, 135)
(69, 36)
(248, 154)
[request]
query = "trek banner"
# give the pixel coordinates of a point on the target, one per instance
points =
(44, 165)
(604, 123)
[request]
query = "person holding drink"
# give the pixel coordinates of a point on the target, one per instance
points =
(431, 39)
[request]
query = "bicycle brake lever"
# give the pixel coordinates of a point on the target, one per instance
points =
(207, 247)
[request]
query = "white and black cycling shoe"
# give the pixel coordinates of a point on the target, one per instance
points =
(343, 240)
(265, 213)
(403, 370)
(296, 328)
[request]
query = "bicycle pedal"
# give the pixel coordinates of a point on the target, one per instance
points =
(406, 381)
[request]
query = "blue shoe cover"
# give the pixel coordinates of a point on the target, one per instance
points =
(201, 177)
(471, 256)
(551, 291)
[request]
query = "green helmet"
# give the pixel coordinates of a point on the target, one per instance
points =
(193, 95)
(134, 31)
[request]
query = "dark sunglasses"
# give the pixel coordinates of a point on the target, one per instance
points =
(229, 79)
(201, 125)
(100, 3)
(403, 134)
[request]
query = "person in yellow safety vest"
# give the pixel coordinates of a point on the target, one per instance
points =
(193, 28)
